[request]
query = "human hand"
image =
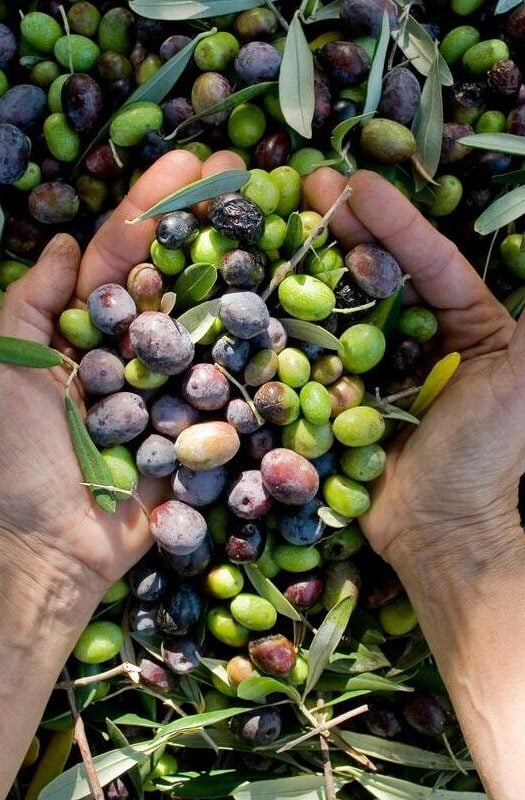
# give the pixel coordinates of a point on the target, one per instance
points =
(448, 496)
(48, 520)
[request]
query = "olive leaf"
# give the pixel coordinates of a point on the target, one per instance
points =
(26, 353)
(154, 89)
(419, 47)
(230, 180)
(30, 61)
(384, 787)
(311, 333)
(299, 787)
(332, 519)
(296, 80)
(93, 467)
(428, 123)
(242, 96)
(510, 178)
(496, 143)
(437, 379)
(195, 283)
(403, 754)
(258, 688)
(199, 319)
(515, 302)
(506, 5)
(340, 131)
(375, 77)
(2, 222)
(270, 592)
(386, 312)
(330, 11)
(119, 740)
(326, 640)
(189, 9)
(294, 234)
(505, 209)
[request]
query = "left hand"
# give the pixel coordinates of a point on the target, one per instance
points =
(48, 520)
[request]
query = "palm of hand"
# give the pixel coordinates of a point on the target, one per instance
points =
(460, 468)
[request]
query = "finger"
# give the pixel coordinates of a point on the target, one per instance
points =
(218, 162)
(117, 246)
(31, 303)
(321, 189)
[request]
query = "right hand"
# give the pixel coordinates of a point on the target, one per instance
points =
(449, 494)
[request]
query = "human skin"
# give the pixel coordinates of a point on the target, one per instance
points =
(444, 512)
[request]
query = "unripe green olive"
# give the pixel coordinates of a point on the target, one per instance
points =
(288, 182)
(293, 367)
(274, 233)
(262, 190)
(131, 124)
(491, 122)
(224, 581)
(482, 56)
(246, 124)
(215, 52)
(306, 297)
(76, 326)
(225, 628)
(398, 617)
(124, 472)
(327, 264)
(11, 270)
(142, 377)
(363, 347)
(62, 141)
(308, 439)
(315, 402)
(78, 51)
(387, 141)
(357, 427)
(418, 323)
(210, 246)
(296, 558)
(346, 496)
(42, 31)
(364, 463)
(31, 178)
(457, 41)
(99, 642)
(512, 250)
(446, 196)
(254, 612)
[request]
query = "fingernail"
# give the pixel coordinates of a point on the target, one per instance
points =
(50, 245)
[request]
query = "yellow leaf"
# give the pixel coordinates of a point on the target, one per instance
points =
(439, 376)
(52, 762)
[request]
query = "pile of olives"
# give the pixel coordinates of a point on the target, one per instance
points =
(250, 462)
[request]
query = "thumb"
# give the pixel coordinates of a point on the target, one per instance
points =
(31, 303)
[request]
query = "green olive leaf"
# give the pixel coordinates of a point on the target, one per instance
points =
(242, 96)
(403, 754)
(258, 688)
(30, 61)
(517, 177)
(119, 740)
(270, 592)
(26, 353)
(419, 47)
(230, 180)
(93, 467)
(340, 131)
(154, 89)
(496, 142)
(375, 77)
(515, 302)
(189, 9)
(195, 284)
(296, 80)
(506, 5)
(326, 639)
(294, 235)
(384, 787)
(299, 787)
(199, 319)
(330, 11)
(332, 519)
(428, 124)
(505, 209)
(311, 333)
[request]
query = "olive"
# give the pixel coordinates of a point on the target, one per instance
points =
(237, 217)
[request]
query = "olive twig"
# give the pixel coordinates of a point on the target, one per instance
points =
(243, 391)
(327, 764)
(131, 670)
(115, 154)
(321, 727)
(489, 254)
(452, 755)
(391, 398)
(289, 266)
(117, 489)
(82, 742)
(354, 309)
(278, 14)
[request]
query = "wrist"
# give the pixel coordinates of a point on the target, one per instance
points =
(44, 588)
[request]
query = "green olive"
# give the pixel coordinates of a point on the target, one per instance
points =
(387, 141)
(418, 323)
(246, 124)
(457, 41)
(293, 367)
(398, 617)
(76, 326)
(288, 182)
(11, 270)
(315, 402)
(131, 124)
(62, 141)
(124, 472)
(308, 439)
(306, 297)
(225, 628)
(346, 496)
(296, 558)
(99, 642)
(482, 56)
(359, 426)
(42, 31)
(142, 377)
(364, 463)
(363, 347)
(76, 51)
(254, 612)
(446, 196)
(262, 190)
(224, 581)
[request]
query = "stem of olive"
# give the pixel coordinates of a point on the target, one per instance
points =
(354, 309)
(126, 492)
(131, 670)
(82, 742)
(243, 391)
(289, 266)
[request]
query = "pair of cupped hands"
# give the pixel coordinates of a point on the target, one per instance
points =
(449, 493)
